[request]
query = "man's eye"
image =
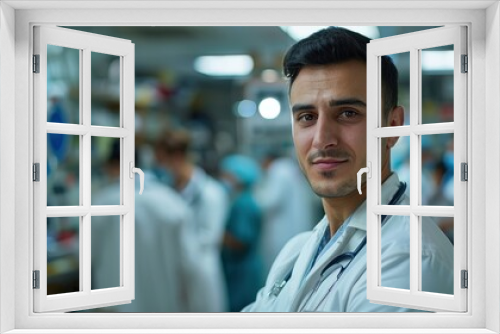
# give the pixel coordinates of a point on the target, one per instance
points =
(305, 117)
(349, 114)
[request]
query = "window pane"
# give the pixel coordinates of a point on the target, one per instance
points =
(63, 255)
(400, 164)
(63, 85)
(437, 169)
(105, 252)
(401, 97)
(437, 84)
(395, 252)
(105, 89)
(105, 171)
(63, 170)
(444, 268)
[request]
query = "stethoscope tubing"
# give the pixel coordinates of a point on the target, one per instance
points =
(278, 286)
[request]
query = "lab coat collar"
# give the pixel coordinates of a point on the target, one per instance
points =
(191, 191)
(348, 241)
(389, 189)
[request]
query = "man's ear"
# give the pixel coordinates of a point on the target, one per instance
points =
(396, 118)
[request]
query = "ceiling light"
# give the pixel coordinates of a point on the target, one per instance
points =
(438, 60)
(269, 108)
(235, 65)
(270, 76)
(368, 31)
(246, 108)
(301, 32)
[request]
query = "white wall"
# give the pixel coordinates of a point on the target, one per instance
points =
(481, 158)
(7, 164)
(492, 116)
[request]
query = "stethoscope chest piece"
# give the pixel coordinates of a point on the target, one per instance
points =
(278, 286)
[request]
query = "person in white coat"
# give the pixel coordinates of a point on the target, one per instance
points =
(289, 207)
(165, 257)
(325, 270)
(210, 205)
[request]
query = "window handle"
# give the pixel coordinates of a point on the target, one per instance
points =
(368, 171)
(138, 171)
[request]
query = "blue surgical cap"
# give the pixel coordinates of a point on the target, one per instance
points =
(243, 168)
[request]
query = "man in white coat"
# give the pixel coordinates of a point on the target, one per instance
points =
(165, 257)
(325, 269)
(210, 205)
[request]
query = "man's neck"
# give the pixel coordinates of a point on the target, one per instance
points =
(338, 209)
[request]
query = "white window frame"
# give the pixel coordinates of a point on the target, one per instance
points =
(85, 44)
(16, 22)
(414, 43)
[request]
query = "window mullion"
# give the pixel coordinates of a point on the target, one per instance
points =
(85, 161)
(415, 93)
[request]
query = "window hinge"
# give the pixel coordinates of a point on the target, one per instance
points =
(465, 64)
(36, 279)
(36, 172)
(464, 171)
(36, 63)
(465, 279)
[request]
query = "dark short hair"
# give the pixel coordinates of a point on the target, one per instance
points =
(334, 45)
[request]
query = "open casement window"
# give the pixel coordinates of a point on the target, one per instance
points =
(430, 53)
(69, 130)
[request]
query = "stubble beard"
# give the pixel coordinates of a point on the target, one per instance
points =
(325, 189)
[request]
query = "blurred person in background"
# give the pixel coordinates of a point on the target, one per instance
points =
(209, 203)
(241, 258)
(165, 258)
(289, 207)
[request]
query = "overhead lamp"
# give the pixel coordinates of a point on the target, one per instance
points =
(368, 31)
(438, 60)
(269, 108)
(226, 65)
(246, 108)
(301, 32)
(269, 75)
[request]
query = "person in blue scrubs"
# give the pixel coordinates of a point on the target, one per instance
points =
(242, 263)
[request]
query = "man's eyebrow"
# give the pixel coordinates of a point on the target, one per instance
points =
(347, 102)
(300, 106)
(333, 103)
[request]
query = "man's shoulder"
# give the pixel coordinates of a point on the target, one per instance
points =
(396, 237)
(163, 201)
(210, 188)
(292, 249)
(297, 242)
(288, 255)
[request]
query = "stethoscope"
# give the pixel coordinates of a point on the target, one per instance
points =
(349, 256)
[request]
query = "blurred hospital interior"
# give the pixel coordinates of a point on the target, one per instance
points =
(207, 101)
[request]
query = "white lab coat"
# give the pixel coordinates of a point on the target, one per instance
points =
(289, 207)
(308, 291)
(165, 258)
(210, 205)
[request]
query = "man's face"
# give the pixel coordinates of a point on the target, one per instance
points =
(329, 125)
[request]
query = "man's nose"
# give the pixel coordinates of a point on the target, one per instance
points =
(326, 134)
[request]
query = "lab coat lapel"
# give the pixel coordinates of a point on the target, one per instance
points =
(308, 280)
(299, 280)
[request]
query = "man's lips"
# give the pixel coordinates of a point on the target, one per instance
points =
(327, 164)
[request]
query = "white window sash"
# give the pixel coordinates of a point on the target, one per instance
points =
(414, 298)
(85, 298)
